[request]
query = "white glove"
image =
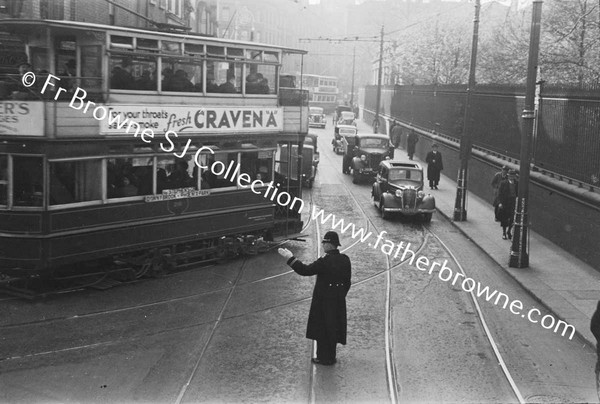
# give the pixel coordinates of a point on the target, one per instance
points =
(285, 253)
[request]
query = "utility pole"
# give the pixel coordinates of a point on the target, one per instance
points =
(353, 64)
(460, 211)
(519, 257)
(376, 122)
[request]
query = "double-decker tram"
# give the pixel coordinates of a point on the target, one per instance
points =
(323, 91)
(127, 152)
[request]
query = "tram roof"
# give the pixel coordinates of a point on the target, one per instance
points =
(26, 24)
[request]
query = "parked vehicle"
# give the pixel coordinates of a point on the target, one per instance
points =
(398, 188)
(316, 118)
(369, 151)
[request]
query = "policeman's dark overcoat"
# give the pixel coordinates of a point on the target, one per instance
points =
(327, 318)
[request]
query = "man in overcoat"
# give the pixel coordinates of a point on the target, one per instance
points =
(411, 143)
(327, 321)
(434, 166)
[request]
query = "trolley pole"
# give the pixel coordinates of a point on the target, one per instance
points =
(519, 257)
(460, 211)
(376, 122)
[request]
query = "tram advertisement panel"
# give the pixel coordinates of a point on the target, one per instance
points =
(23, 118)
(190, 119)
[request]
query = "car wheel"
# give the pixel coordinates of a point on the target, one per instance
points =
(384, 214)
(427, 217)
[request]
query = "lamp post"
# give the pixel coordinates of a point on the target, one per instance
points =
(519, 257)
(353, 64)
(379, 74)
(460, 211)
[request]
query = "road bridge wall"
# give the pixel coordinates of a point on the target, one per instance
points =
(566, 214)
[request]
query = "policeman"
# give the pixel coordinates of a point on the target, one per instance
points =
(327, 321)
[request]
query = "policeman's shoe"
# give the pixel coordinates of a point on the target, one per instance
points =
(318, 361)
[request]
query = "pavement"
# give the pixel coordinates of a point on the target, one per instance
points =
(567, 286)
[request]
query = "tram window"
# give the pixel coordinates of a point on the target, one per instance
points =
(223, 77)
(133, 73)
(182, 77)
(27, 181)
(215, 51)
(172, 48)
(271, 57)
(129, 177)
(3, 180)
(254, 55)
(91, 66)
(75, 181)
(261, 79)
(235, 53)
(193, 49)
(121, 42)
(150, 45)
(175, 173)
(258, 165)
(215, 175)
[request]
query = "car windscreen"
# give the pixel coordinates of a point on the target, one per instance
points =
(402, 176)
(316, 111)
(347, 115)
(374, 142)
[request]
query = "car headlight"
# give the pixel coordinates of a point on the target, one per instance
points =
(420, 194)
(399, 193)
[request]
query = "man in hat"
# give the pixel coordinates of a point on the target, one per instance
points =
(434, 166)
(327, 322)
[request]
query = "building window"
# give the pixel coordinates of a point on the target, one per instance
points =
(174, 7)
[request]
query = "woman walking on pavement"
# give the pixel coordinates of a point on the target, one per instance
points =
(507, 194)
(327, 321)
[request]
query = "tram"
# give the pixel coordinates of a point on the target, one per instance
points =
(111, 156)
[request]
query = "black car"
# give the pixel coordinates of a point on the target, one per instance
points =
(369, 150)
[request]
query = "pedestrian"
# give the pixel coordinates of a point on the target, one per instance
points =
(434, 166)
(595, 327)
(327, 322)
(396, 134)
(499, 176)
(507, 194)
(411, 143)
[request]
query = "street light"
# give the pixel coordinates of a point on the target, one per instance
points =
(519, 257)
(460, 211)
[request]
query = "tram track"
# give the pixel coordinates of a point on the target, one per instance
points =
(391, 372)
(392, 379)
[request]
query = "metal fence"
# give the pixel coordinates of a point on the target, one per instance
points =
(567, 141)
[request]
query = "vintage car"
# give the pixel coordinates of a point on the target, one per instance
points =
(369, 150)
(316, 117)
(338, 112)
(398, 188)
(346, 118)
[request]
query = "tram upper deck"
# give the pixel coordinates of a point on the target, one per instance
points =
(186, 83)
